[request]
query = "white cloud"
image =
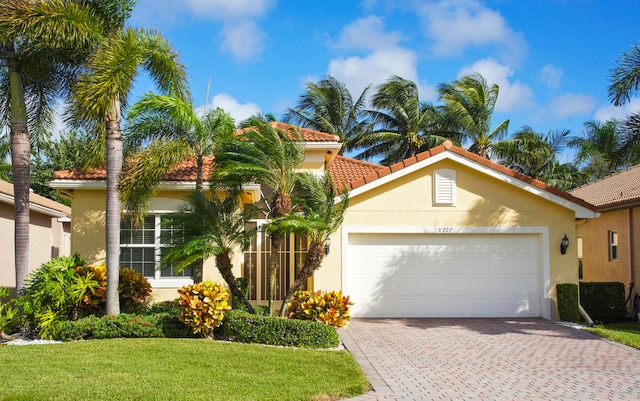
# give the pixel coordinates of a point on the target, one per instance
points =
(374, 69)
(610, 112)
(150, 11)
(551, 76)
(238, 111)
(567, 106)
(244, 40)
(512, 95)
(455, 25)
(367, 33)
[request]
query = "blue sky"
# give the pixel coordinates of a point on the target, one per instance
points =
(551, 58)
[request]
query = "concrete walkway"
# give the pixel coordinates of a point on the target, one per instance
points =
(489, 359)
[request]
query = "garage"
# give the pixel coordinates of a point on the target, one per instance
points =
(444, 275)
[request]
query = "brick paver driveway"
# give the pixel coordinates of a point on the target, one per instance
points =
(489, 359)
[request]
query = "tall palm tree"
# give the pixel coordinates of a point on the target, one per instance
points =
(469, 103)
(270, 157)
(210, 225)
(601, 147)
(401, 125)
(320, 217)
(99, 100)
(327, 106)
(177, 133)
(42, 46)
(536, 155)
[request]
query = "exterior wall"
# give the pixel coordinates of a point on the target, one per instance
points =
(596, 265)
(481, 201)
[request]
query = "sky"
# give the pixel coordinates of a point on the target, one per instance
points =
(550, 58)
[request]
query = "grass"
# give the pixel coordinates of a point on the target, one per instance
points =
(624, 333)
(175, 369)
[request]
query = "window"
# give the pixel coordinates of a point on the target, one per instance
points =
(444, 187)
(579, 258)
(141, 249)
(613, 245)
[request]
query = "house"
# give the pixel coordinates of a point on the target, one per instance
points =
(609, 247)
(443, 234)
(49, 232)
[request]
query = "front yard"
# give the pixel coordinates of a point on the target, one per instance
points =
(174, 369)
(624, 333)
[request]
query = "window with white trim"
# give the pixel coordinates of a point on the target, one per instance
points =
(141, 248)
(613, 245)
(444, 187)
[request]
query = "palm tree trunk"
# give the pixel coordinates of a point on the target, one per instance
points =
(199, 173)
(311, 263)
(20, 159)
(114, 169)
(225, 268)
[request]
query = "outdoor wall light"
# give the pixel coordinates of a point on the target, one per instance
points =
(327, 246)
(564, 245)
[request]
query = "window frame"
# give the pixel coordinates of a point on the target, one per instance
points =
(613, 242)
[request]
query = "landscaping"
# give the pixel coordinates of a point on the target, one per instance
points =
(171, 369)
(624, 333)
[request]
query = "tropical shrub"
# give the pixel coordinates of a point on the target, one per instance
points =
(202, 306)
(568, 302)
(604, 302)
(7, 311)
(331, 308)
(249, 328)
(123, 325)
(54, 293)
(133, 288)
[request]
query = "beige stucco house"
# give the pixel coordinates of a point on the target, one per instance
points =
(610, 245)
(49, 232)
(442, 234)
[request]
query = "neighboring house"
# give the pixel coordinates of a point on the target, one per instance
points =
(49, 232)
(610, 245)
(444, 233)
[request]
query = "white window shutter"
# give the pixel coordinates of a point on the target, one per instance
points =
(444, 187)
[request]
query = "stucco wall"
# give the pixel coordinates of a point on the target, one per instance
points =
(482, 201)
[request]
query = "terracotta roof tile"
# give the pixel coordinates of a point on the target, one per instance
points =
(345, 171)
(309, 135)
(617, 189)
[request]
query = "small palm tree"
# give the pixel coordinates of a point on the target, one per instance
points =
(320, 216)
(177, 133)
(99, 100)
(401, 125)
(601, 147)
(327, 106)
(210, 225)
(469, 103)
(270, 157)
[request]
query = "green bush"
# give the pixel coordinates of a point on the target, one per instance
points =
(330, 308)
(133, 288)
(123, 325)
(7, 311)
(568, 302)
(247, 328)
(202, 306)
(604, 302)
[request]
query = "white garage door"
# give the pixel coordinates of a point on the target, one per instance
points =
(455, 275)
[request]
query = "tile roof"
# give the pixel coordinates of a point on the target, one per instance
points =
(346, 171)
(619, 189)
(309, 135)
(6, 188)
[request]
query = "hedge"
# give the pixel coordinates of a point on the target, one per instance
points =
(604, 302)
(568, 302)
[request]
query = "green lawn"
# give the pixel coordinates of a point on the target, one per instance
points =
(625, 333)
(175, 369)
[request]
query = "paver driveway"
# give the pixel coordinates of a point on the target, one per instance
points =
(489, 359)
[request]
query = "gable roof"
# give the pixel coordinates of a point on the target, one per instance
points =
(614, 191)
(37, 203)
(447, 150)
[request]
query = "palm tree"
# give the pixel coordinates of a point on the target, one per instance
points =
(328, 107)
(210, 225)
(99, 99)
(42, 46)
(601, 147)
(402, 125)
(268, 156)
(469, 102)
(536, 155)
(320, 217)
(177, 133)
(625, 77)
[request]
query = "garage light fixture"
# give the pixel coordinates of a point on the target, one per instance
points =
(327, 246)
(564, 245)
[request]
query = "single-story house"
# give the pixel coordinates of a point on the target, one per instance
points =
(445, 233)
(609, 247)
(49, 232)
